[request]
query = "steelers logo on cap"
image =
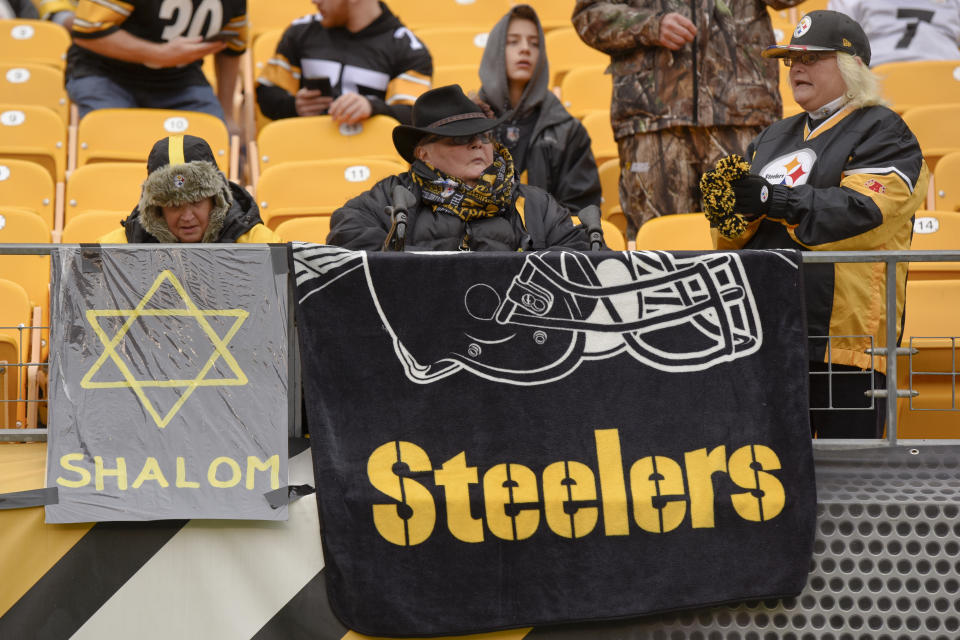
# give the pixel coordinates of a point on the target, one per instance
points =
(178, 181)
(802, 27)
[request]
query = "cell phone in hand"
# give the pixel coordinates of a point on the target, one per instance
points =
(322, 83)
(223, 36)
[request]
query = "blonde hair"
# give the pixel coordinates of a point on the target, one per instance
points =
(863, 85)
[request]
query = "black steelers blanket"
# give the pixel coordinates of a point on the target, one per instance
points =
(504, 440)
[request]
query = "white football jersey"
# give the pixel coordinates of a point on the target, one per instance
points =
(901, 30)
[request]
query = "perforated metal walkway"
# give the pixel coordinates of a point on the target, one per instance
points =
(886, 562)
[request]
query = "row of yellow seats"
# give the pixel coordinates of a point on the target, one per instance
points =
(264, 15)
(19, 346)
(31, 139)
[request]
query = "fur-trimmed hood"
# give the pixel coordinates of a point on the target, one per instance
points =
(182, 169)
(178, 184)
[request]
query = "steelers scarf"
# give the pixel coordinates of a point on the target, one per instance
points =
(492, 196)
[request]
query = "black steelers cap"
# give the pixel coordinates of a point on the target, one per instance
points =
(825, 31)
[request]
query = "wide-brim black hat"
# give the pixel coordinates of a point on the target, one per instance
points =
(825, 31)
(444, 111)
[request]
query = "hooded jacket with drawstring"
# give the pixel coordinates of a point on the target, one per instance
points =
(558, 158)
(234, 217)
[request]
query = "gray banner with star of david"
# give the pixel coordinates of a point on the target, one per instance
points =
(168, 383)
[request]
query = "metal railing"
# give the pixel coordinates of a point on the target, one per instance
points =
(889, 395)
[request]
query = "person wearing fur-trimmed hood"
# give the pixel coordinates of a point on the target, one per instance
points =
(186, 198)
(550, 148)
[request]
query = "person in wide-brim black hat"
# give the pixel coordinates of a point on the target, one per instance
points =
(461, 192)
(444, 112)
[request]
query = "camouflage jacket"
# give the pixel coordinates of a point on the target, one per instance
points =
(718, 79)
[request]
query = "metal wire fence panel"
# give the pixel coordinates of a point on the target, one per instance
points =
(925, 376)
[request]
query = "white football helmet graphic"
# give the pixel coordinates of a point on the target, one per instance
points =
(670, 312)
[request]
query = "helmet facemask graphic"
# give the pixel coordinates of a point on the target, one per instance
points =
(672, 313)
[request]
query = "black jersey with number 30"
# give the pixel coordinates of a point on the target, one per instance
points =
(156, 21)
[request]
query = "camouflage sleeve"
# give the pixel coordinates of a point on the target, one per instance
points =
(615, 26)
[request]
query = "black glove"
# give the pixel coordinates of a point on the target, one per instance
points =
(752, 195)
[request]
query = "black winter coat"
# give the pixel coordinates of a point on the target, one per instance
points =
(559, 159)
(536, 221)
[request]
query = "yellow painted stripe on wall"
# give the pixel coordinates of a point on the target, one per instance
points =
(39, 546)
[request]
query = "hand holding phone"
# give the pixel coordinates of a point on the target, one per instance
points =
(223, 36)
(321, 83)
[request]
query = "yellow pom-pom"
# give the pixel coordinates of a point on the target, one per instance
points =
(718, 196)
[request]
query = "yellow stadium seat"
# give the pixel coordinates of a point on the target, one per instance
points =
(937, 128)
(932, 319)
(37, 84)
(31, 272)
(317, 187)
(320, 138)
(267, 15)
(612, 236)
(455, 45)
(597, 124)
(256, 60)
(566, 51)
(610, 200)
(609, 185)
(553, 14)
(127, 135)
(784, 22)
(811, 5)
(14, 345)
(24, 40)
(935, 231)
(92, 225)
(465, 75)
(677, 232)
(418, 15)
(104, 185)
(305, 229)
(26, 185)
(586, 89)
(921, 82)
(34, 133)
(946, 183)
(209, 68)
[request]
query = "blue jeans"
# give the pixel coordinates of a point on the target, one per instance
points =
(100, 92)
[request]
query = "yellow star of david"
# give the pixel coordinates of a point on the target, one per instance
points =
(190, 310)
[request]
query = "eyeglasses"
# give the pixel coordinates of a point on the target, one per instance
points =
(807, 58)
(457, 141)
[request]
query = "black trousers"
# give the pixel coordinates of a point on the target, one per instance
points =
(844, 390)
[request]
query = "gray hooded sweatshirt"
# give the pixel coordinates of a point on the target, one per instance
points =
(548, 144)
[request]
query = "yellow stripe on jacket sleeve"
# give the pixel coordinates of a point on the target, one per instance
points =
(238, 28)
(94, 16)
(407, 87)
(895, 197)
(47, 8)
(278, 72)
